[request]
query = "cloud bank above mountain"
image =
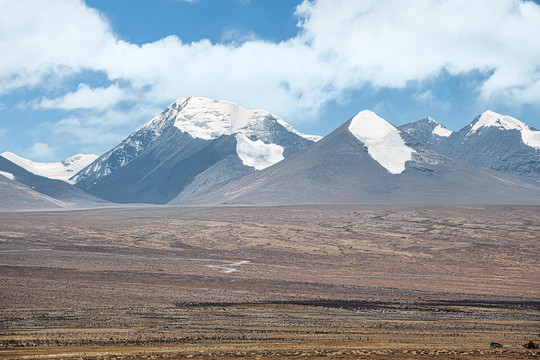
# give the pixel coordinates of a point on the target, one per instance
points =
(340, 46)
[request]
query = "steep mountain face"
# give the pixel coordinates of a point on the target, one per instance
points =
(368, 160)
(498, 142)
(21, 189)
(62, 170)
(428, 131)
(196, 143)
(494, 141)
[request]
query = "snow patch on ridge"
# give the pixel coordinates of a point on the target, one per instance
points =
(257, 154)
(383, 141)
(442, 131)
(208, 119)
(10, 176)
(491, 119)
(62, 170)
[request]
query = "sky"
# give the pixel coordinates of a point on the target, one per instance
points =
(79, 76)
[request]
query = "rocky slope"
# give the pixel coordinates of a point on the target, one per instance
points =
(494, 141)
(194, 145)
(368, 160)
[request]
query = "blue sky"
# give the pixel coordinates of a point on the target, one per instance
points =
(79, 76)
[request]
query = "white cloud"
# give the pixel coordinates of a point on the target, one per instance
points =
(56, 37)
(342, 45)
(40, 151)
(86, 98)
(104, 129)
(389, 43)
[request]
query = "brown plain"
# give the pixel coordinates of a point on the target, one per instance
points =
(298, 282)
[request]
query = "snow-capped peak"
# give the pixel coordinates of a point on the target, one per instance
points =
(490, 118)
(442, 131)
(439, 129)
(62, 170)
(209, 119)
(382, 139)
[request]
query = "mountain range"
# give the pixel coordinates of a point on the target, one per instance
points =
(204, 151)
(368, 160)
(494, 141)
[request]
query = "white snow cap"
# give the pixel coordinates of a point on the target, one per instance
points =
(7, 175)
(62, 170)
(439, 129)
(442, 131)
(491, 119)
(256, 153)
(382, 139)
(209, 119)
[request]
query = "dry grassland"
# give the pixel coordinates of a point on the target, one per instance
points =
(345, 282)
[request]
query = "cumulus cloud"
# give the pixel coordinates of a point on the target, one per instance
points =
(40, 151)
(341, 45)
(111, 125)
(86, 98)
(390, 43)
(59, 37)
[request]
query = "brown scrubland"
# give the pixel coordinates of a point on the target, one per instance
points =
(293, 282)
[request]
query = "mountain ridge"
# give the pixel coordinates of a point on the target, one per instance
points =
(206, 151)
(164, 150)
(62, 170)
(491, 140)
(340, 169)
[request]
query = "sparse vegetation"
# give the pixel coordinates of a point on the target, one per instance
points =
(347, 282)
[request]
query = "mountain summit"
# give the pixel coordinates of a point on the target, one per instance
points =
(209, 119)
(498, 142)
(427, 130)
(382, 140)
(490, 119)
(193, 145)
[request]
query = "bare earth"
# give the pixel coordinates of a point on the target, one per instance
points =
(343, 281)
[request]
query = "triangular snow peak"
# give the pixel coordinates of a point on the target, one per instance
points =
(382, 140)
(490, 118)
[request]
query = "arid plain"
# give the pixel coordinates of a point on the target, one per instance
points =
(340, 281)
